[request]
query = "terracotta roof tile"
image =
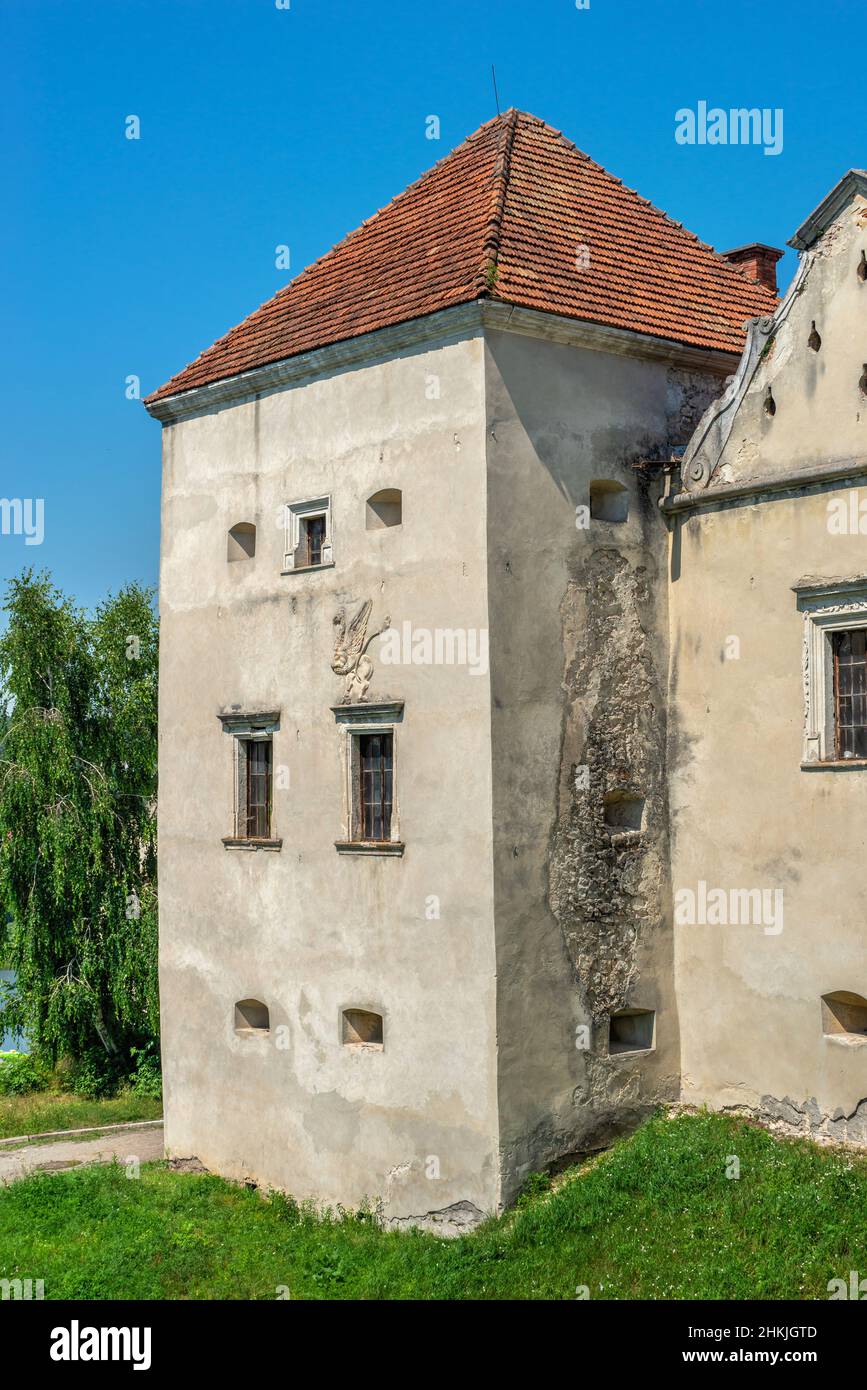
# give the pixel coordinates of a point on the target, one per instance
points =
(503, 216)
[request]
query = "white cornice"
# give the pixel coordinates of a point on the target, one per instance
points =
(461, 321)
(559, 328)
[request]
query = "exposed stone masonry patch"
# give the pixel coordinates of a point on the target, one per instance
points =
(808, 1120)
(605, 886)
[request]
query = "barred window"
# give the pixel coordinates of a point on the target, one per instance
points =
(850, 692)
(375, 785)
(256, 809)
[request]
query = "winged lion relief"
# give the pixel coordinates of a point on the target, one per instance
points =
(350, 652)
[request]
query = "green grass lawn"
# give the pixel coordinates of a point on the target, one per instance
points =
(654, 1218)
(39, 1111)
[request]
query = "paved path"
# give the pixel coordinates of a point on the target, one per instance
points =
(58, 1154)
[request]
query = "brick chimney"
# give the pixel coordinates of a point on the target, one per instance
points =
(758, 262)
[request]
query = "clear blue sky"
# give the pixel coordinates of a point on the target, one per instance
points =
(262, 126)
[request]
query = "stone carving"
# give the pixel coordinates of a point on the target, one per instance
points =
(350, 647)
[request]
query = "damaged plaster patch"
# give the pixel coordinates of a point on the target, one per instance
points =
(807, 1120)
(455, 1220)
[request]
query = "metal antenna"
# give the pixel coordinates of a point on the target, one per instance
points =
(496, 96)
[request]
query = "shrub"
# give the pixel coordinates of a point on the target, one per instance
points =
(94, 1075)
(147, 1079)
(20, 1072)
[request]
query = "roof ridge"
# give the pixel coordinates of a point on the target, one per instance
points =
(494, 224)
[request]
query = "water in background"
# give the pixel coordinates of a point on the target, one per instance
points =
(10, 1041)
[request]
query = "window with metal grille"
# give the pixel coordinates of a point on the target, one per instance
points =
(375, 754)
(850, 692)
(314, 535)
(256, 810)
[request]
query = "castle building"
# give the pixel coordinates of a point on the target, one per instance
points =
(503, 638)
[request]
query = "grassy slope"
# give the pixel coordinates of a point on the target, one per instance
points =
(43, 1110)
(654, 1218)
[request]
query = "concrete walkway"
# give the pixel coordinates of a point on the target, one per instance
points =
(58, 1154)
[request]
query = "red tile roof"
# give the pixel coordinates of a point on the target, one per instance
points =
(504, 216)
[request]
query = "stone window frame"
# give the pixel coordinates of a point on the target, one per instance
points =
(294, 514)
(354, 721)
(829, 606)
(241, 727)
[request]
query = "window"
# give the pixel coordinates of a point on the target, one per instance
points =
(850, 692)
(631, 1030)
(361, 1028)
(253, 780)
(370, 809)
(241, 543)
(251, 1017)
(835, 672)
(256, 812)
(375, 783)
(384, 508)
(313, 530)
(609, 500)
(308, 535)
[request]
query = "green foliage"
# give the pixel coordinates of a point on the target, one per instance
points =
(95, 1074)
(654, 1218)
(535, 1185)
(147, 1079)
(20, 1073)
(77, 822)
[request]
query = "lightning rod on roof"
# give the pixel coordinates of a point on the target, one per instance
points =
(494, 79)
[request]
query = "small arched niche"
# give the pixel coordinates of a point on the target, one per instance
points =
(251, 1018)
(844, 1015)
(361, 1028)
(384, 508)
(241, 541)
(609, 500)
